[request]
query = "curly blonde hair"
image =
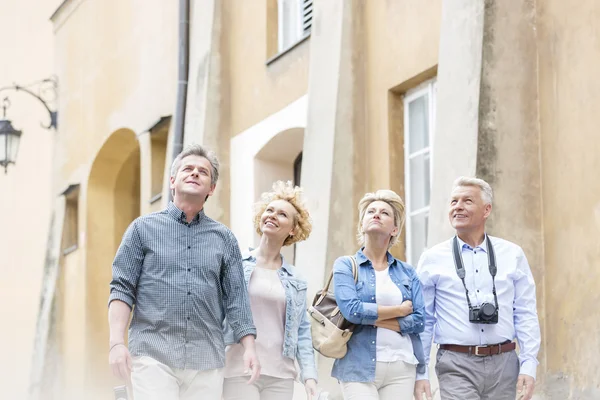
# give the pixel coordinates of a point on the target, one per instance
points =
(293, 195)
(390, 197)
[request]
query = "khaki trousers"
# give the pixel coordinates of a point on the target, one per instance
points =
(264, 388)
(152, 380)
(393, 381)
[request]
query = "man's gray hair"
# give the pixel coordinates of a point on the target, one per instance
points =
(198, 150)
(487, 195)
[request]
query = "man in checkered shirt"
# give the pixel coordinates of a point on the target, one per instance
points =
(181, 274)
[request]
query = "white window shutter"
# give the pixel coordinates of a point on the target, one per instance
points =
(307, 15)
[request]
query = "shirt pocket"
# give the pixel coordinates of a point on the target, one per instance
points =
(361, 291)
(298, 291)
(406, 289)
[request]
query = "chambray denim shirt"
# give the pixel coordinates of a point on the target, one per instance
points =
(357, 304)
(297, 342)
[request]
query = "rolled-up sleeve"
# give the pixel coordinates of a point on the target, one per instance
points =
(305, 354)
(346, 295)
(235, 293)
(127, 267)
(414, 323)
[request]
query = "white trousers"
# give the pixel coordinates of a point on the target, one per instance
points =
(152, 380)
(393, 381)
(264, 388)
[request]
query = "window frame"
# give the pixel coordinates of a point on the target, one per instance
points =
(428, 87)
(70, 232)
(300, 32)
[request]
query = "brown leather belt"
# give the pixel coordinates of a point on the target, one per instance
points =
(480, 351)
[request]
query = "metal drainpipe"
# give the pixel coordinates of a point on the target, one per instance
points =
(182, 77)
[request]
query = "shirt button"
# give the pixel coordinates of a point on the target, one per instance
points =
(189, 269)
(482, 330)
(189, 293)
(373, 359)
(373, 342)
(188, 318)
(354, 313)
(189, 247)
(372, 298)
(477, 290)
(476, 270)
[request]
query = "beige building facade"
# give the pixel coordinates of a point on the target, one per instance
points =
(342, 97)
(26, 58)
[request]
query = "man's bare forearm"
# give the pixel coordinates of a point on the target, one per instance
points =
(118, 319)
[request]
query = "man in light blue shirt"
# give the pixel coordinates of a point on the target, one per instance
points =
(475, 319)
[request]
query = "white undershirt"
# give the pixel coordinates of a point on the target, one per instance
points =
(391, 346)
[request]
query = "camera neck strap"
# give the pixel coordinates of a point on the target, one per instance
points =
(460, 268)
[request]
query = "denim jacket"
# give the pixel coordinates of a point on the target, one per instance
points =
(298, 340)
(357, 304)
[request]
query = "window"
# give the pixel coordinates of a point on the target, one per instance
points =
(159, 135)
(294, 19)
(419, 126)
(297, 169)
(70, 227)
(297, 180)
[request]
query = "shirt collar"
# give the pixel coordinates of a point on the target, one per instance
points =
(361, 258)
(247, 256)
(180, 216)
(482, 245)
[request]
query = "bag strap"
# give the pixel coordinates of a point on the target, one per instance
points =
(354, 274)
(354, 269)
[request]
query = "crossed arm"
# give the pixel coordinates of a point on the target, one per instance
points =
(400, 317)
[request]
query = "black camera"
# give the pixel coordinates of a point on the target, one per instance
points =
(487, 313)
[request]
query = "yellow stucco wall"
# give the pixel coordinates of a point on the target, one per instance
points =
(25, 197)
(414, 30)
(258, 90)
(568, 91)
(117, 66)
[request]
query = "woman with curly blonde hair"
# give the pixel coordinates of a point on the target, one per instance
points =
(278, 303)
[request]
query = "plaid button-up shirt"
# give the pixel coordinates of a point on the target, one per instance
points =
(181, 280)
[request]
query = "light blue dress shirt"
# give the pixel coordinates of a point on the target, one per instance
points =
(446, 309)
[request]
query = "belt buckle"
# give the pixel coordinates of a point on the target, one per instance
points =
(477, 351)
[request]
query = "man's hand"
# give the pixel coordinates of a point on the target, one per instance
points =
(406, 308)
(119, 360)
(525, 387)
(311, 389)
(422, 386)
(251, 362)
